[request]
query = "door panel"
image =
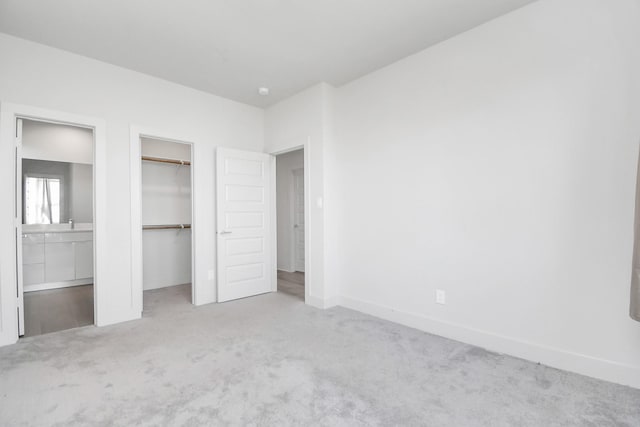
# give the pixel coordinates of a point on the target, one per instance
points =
(32, 249)
(32, 274)
(244, 223)
(60, 262)
(32, 259)
(298, 218)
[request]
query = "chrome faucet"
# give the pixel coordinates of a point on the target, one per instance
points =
(71, 225)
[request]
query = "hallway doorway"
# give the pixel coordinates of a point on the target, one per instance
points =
(290, 207)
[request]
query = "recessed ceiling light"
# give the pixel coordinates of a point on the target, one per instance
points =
(263, 91)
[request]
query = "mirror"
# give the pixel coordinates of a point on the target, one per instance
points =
(56, 192)
(41, 200)
(57, 173)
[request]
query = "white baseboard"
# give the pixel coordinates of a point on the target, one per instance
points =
(315, 302)
(322, 303)
(603, 369)
(166, 285)
(57, 285)
(119, 316)
(332, 301)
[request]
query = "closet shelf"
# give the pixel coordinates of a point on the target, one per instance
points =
(162, 160)
(166, 227)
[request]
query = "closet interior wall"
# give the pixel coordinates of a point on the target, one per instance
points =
(166, 200)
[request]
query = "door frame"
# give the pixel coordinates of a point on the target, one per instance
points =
(308, 279)
(9, 246)
(136, 133)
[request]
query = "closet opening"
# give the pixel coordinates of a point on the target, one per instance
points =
(54, 199)
(290, 207)
(166, 211)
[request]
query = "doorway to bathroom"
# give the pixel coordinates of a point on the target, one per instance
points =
(54, 201)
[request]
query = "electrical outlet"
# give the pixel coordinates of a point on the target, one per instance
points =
(212, 275)
(441, 296)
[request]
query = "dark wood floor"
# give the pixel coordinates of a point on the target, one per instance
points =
(60, 309)
(57, 310)
(291, 283)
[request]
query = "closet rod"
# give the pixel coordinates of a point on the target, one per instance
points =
(166, 227)
(161, 160)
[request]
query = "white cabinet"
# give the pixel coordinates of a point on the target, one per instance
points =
(60, 262)
(32, 274)
(33, 258)
(33, 248)
(55, 258)
(84, 259)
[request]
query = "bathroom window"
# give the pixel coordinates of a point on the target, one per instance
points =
(42, 200)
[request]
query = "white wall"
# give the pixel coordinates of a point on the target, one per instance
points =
(500, 167)
(58, 143)
(303, 120)
(165, 149)
(37, 75)
(166, 258)
(166, 199)
(285, 165)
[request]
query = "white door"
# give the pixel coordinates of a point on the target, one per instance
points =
(18, 223)
(298, 219)
(244, 230)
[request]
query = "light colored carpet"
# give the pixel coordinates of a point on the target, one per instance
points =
(271, 360)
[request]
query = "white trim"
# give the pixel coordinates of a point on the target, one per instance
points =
(310, 283)
(135, 183)
(321, 303)
(273, 258)
(603, 369)
(135, 169)
(18, 200)
(57, 285)
(8, 302)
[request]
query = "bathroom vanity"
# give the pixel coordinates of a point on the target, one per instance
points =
(57, 256)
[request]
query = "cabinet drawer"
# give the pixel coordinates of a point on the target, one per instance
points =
(32, 253)
(84, 259)
(60, 262)
(33, 274)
